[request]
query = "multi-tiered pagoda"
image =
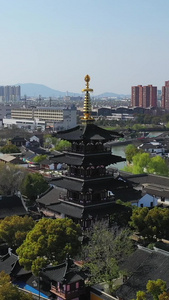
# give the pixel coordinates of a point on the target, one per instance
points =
(87, 183)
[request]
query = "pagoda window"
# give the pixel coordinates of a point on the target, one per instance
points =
(77, 285)
(74, 146)
(81, 198)
(72, 170)
(82, 172)
(78, 171)
(92, 170)
(92, 147)
(81, 147)
(88, 147)
(88, 172)
(102, 170)
(70, 195)
(68, 287)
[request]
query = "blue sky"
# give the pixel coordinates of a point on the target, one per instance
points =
(119, 43)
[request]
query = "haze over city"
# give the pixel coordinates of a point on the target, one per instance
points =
(56, 43)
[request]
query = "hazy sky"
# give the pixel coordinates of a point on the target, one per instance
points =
(119, 43)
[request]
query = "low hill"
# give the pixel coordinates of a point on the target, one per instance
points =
(36, 90)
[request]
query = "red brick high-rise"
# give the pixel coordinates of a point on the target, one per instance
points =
(144, 96)
(165, 96)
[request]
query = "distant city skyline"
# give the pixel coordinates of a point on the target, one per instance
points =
(56, 43)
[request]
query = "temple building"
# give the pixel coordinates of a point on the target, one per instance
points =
(84, 193)
(66, 281)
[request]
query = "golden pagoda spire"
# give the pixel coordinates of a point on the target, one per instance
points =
(87, 110)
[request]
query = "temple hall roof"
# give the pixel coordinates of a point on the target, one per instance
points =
(88, 132)
(85, 160)
(143, 265)
(10, 206)
(80, 185)
(66, 272)
(79, 211)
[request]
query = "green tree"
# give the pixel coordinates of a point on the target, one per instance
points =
(49, 140)
(158, 165)
(156, 287)
(39, 158)
(33, 185)
(105, 250)
(11, 178)
(138, 219)
(49, 242)
(8, 291)
(151, 224)
(13, 230)
(164, 296)
(10, 149)
(141, 295)
(63, 145)
(144, 163)
(131, 150)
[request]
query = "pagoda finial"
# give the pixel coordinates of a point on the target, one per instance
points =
(87, 110)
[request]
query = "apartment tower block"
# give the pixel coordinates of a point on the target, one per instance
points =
(144, 96)
(165, 96)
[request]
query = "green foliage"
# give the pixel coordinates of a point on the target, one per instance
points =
(13, 230)
(49, 242)
(8, 291)
(33, 185)
(122, 215)
(9, 149)
(156, 287)
(141, 295)
(39, 158)
(157, 165)
(63, 145)
(144, 163)
(105, 250)
(151, 224)
(164, 296)
(11, 178)
(131, 150)
(50, 141)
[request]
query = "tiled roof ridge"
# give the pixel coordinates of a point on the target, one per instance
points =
(47, 191)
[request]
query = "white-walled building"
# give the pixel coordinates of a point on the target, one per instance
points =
(42, 117)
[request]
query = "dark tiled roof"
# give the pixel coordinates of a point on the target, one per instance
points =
(46, 161)
(67, 209)
(10, 206)
(66, 272)
(144, 265)
(29, 154)
(7, 262)
(38, 150)
(127, 194)
(95, 159)
(146, 178)
(79, 211)
(153, 184)
(84, 185)
(52, 196)
(18, 139)
(88, 132)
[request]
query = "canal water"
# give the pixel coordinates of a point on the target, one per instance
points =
(120, 151)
